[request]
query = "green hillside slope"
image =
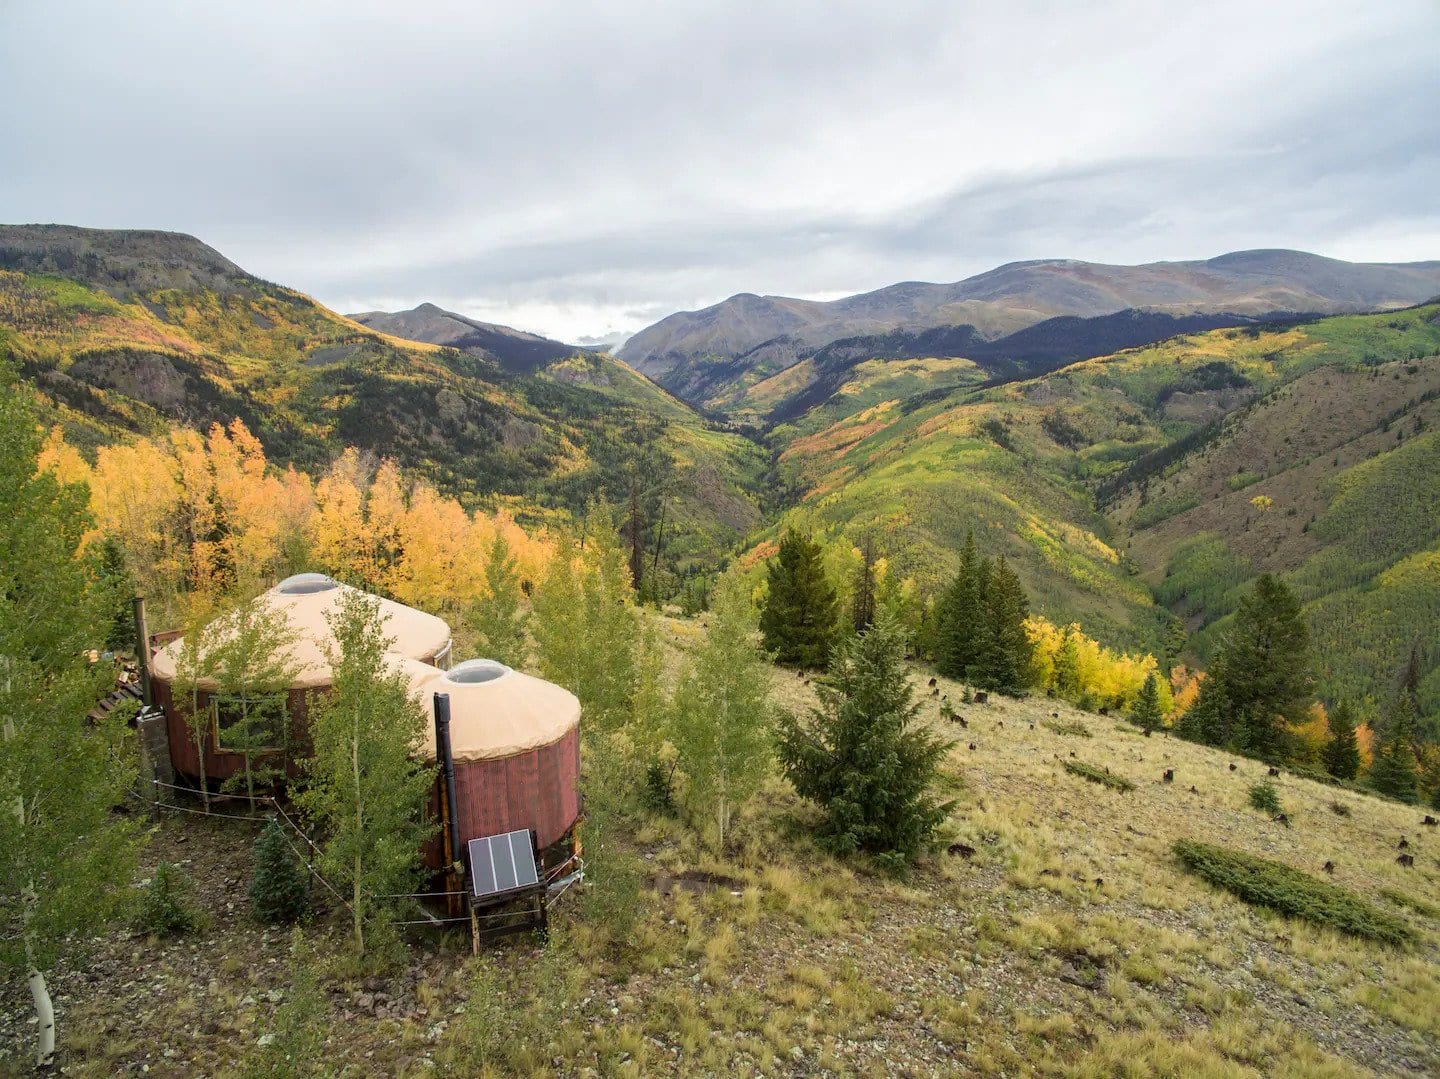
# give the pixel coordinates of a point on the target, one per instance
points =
(112, 355)
(1127, 477)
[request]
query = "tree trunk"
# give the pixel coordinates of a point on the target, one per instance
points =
(39, 991)
(44, 1015)
(199, 731)
(359, 825)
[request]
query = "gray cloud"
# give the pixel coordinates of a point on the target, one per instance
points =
(582, 169)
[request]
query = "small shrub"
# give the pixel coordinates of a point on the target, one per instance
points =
(658, 793)
(1098, 775)
(1264, 797)
(1340, 809)
(167, 908)
(1075, 728)
(1279, 887)
(280, 888)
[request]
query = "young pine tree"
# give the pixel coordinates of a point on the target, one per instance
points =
(279, 888)
(722, 713)
(497, 617)
(65, 857)
(1007, 655)
(1342, 753)
(1146, 712)
(862, 601)
(1066, 678)
(864, 757)
(798, 621)
(364, 790)
(959, 630)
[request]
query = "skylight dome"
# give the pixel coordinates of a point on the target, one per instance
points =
(306, 584)
(475, 671)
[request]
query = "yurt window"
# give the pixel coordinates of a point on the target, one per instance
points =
(249, 724)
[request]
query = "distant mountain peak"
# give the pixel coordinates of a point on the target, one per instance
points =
(514, 350)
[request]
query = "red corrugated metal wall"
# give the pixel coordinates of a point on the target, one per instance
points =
(539, 790)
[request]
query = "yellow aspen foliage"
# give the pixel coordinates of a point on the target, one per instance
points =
(247, 497)
(62, 460)
(1311, 735)
(439, 565)
(1365, 742)
(1087, 672)
(338, 535)
(1184, 690)
(135, 498)
(200, 517)
(385, 509)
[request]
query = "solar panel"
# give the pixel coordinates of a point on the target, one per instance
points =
(500, 864)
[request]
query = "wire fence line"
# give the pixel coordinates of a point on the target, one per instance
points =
(550, 876)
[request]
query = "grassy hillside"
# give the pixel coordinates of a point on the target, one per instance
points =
(1345, 463)
(1135, 472)
(310, 382)
(1072, 942)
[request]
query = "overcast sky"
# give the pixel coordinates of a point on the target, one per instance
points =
(583, 169)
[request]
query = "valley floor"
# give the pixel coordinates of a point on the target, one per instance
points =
(1071, 943)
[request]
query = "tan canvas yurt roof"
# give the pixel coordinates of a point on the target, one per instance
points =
(305, 600)
(496, 711)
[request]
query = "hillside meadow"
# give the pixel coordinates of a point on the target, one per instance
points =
(1070, 941)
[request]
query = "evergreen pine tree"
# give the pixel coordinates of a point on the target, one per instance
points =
(65, 856)
(960, 615)
(1066, 679)
(1341, 754)
(1007, 655)
(279, 888)
(1393, 772)
(114, 578)
(1260, 680)
(497, 617)
(1207, 720)
(862, 603)
(799, 618)
(722, 710)
(1146, 712)
(864, 757)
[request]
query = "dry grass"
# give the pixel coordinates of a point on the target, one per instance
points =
(1072, 943)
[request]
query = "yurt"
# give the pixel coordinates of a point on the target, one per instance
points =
(304, 601)
(514, 750)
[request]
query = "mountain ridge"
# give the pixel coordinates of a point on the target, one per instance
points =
(512, 349)
(132, 333)
(1258, 282)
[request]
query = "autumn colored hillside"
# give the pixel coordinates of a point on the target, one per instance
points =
(129, 333)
